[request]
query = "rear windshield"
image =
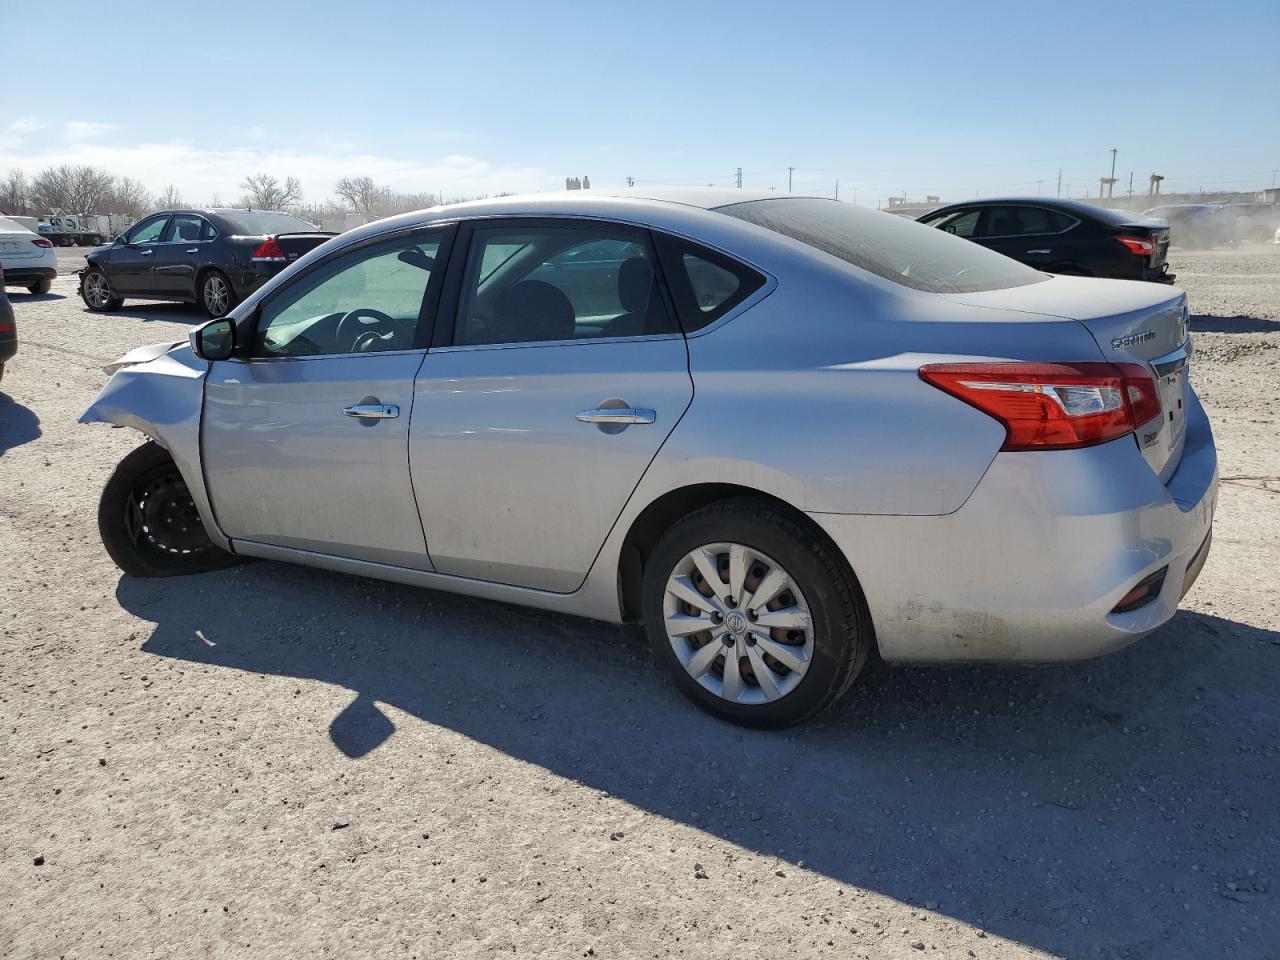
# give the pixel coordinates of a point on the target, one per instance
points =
(12, 225)
(895, 248)
(254, 223)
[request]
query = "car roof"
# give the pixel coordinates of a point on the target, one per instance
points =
(1075, 206)
(573, 201)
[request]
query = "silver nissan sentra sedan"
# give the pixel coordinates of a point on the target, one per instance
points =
(782, 432)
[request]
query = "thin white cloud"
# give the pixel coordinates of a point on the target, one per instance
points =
(201, 174)
(87, 129)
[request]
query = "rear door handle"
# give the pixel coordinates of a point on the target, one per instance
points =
(1040, 251)
(373, 411)
(194, 250)
(618, 415)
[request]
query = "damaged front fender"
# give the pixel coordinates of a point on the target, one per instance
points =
(158, 390)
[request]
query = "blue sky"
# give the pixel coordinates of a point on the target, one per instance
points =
(953, 99)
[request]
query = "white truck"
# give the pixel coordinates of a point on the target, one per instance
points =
(89, 230)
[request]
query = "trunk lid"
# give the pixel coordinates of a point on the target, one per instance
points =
(295, 245)
(1132, 322)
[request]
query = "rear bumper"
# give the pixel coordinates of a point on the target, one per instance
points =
(1031, 567)
(247, 278)
(21, 276)
(1159, 274)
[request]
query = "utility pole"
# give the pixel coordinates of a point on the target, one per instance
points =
(837, 189)
(1130, 184)
(1038, 183)
(789, 171)
(631, 181)
(1113, 163)
(1059, 183)
(739, 178)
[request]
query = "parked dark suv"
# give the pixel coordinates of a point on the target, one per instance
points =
(1062, 236)
(214, 258)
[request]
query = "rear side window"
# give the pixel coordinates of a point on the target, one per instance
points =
(1016, 221)
(894, 248)
(705, 284)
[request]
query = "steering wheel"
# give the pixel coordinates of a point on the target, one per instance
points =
(367, 329)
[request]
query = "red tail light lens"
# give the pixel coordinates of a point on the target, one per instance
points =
(1138, 246)
(42, 242)
(1053, 406)
(269, 251)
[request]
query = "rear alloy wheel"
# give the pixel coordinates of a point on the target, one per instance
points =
(41, 287)
(753, 616)
(215, 294)
(149, 522)
(96, 292)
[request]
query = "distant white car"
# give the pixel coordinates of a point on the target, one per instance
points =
(28, 259)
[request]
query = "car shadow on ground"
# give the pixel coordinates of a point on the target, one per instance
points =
(1113, 808)
(1209, 323)
(20, 298)
(187, 313)
(18, 424)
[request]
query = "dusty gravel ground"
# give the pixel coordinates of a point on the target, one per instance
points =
(279, 762)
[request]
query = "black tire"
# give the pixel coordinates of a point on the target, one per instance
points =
(843, 636)
(149, 523)
(41, 287)
(205, 294)
(98, 305)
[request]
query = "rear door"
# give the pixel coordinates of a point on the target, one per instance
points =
(131, 265)
(1034, 235)
(179, 254)
(544, 402)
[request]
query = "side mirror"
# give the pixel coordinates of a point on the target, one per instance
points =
(215, 340)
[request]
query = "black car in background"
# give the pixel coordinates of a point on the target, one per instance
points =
(1062, 236)
(214, 258)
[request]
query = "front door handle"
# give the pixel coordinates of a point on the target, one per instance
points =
(145, 253)
(194, 250)
(1038, 250)
(374, 411)
(625, 415)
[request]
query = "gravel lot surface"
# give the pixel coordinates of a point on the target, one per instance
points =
(279, 762)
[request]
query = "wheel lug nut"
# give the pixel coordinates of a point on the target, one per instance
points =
(751, 615)
(751, 640)
(716, 618)
(729, 602)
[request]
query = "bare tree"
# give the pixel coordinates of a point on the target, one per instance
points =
(15, 193)
(267, 193)
(130, 197)
(362, 193)
(71, 189)
(170, 199)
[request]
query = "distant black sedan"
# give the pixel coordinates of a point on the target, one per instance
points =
(214, 258)
(1063, 236)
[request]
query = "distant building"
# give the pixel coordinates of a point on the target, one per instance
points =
(573, 183)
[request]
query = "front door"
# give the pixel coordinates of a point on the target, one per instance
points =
(305, 439)
(131, 265)
(542, 405)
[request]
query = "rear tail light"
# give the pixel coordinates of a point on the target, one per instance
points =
(1138, 246)
(42, 242)
(1053, 406)
(269, 251)
(1147, 590)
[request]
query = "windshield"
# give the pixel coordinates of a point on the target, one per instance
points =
(260, 223)
(895, 248)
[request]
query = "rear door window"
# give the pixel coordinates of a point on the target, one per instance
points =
(545, 283)
(1011, 221)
